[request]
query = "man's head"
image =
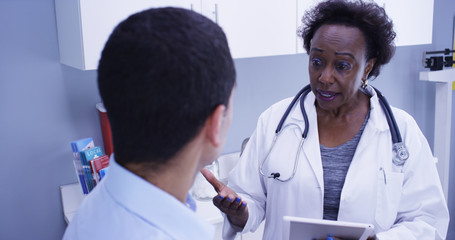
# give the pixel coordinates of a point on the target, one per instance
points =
(162, 74)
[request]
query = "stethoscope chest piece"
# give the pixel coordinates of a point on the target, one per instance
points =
(400, 154)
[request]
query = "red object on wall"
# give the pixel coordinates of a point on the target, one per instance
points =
(105, 129)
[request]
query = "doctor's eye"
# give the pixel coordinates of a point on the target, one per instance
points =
(343, 66)
(316, 62)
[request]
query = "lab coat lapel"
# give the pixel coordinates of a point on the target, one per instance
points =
(311, 148)
(359, 190)
(366, 164)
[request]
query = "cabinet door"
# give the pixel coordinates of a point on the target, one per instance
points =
(413, 27)
(412, 19)
(98, 19)
(257, 27)
(302, 6)
(84, 25)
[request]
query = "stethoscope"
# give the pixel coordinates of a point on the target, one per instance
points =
(400, 153)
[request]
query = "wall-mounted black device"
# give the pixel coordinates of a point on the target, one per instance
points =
(438, 62)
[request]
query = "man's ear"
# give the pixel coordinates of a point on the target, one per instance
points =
(214, 124)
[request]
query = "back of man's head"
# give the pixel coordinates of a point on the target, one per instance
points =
(161, 74)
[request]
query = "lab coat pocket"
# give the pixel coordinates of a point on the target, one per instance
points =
(388, 198)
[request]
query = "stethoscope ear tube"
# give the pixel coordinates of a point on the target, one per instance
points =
(400, 153)
(303, 91)
(276, 175)
(396, 136)
(301, 94)
(306, 90)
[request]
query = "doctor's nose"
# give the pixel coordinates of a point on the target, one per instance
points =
(326, 76)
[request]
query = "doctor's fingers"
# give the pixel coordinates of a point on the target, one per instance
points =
(229, 205)
(219, 186)
(237, 211)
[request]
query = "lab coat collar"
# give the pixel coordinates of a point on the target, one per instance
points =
(154, 205)
(375, 123)
(376, 119)
(377, 115)
(296, 113)
(312, 141)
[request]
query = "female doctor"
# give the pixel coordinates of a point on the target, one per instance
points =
(339, 162)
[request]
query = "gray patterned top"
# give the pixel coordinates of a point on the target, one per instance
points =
(335, 164)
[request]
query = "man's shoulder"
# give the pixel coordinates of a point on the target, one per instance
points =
(104, 215)
(109, 221)
(121, 230)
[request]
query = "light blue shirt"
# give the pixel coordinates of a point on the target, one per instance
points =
(125, 206)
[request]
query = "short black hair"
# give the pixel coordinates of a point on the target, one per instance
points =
(370, 18)
(162, 72)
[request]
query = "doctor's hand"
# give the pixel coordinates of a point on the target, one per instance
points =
(228, 201)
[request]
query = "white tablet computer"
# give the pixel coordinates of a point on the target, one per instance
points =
(297, 228)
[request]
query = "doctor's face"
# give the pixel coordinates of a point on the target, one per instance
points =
(337, 64)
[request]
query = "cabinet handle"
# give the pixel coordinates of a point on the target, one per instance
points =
(216, 13)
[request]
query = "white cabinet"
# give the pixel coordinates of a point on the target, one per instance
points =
(256, 28)
(412, 19)
(302, 6)
(83, 26)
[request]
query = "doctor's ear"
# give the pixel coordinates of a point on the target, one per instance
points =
(368, 67)
(214, 124)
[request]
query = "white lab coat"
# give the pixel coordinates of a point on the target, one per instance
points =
(404, 202)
